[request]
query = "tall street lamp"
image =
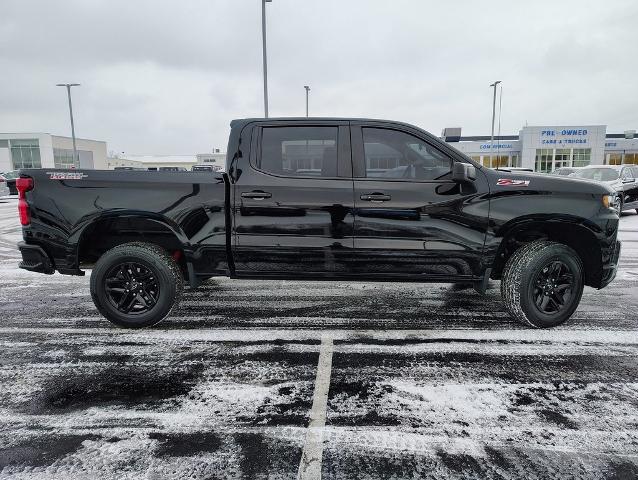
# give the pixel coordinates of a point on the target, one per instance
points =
(76, 160)
(307, 90)
(263, 38)
(493, 115)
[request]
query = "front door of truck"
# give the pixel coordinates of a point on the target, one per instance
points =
(411, 218)
(294, 202)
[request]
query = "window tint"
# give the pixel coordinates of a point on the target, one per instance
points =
(400, 156)
(299, 151)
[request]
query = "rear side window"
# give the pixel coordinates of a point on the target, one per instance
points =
(299, 151)
(394, 155)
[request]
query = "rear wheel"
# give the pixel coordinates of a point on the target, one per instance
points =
(136, 285)
(542, 283)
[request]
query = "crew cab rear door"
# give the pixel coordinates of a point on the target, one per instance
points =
(294, 203)
(412, 219)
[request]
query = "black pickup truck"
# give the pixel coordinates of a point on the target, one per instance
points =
(325, 198)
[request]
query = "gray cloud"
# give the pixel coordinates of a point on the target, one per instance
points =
(168, 76)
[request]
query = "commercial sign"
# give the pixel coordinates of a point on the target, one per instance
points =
(487, 146)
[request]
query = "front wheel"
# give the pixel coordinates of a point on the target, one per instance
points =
(136, 285)
(542, 284)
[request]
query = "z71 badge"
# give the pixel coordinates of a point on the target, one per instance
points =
(510, 182)
(66, 175)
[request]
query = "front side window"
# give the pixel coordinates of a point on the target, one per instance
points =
(390, 154)
(299, 151)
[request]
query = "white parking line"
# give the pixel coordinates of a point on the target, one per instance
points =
(310, 465)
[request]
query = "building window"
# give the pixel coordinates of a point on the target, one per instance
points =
(614, 158)
(25, 153)
(63, 158)
(562, 158)
(544, 157)
(516, 160)
(582, 157)
(631, 158)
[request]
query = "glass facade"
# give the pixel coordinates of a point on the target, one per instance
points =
(631, 158)
(614, 158)
(25, 153)
(562, 158)
(497, 161)
(582, 157)
(543, 161)
(63, 158)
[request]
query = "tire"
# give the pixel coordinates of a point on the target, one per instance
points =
(524, 284)
(118, 272)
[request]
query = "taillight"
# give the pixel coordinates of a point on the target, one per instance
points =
(23, 185)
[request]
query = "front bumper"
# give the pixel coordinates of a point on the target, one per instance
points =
(35, 259)
(609, 271)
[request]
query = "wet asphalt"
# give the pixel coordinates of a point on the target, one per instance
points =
(424, 381)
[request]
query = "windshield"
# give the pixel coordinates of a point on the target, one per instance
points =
(599, 174)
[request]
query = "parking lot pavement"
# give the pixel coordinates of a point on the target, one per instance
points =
(271, 379)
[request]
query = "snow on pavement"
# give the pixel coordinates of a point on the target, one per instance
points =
(425, 381)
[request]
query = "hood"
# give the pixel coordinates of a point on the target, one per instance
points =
(542, 181)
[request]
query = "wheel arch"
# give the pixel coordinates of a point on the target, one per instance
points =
(567, 231)
(108, 231)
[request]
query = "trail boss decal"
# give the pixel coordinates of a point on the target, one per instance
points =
(66, 175)
(510, 182)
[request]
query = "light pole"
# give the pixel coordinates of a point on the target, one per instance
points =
(307, 90)
(265, 61)
(493, 115)
(76, 160)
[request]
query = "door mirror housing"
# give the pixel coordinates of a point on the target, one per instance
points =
(463, 172)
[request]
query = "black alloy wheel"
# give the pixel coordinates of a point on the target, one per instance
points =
(553, 287)
(132, 288)
(136, 285)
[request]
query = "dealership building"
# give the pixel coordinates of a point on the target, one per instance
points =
(216, 159)
(43, 150)
(546, 148)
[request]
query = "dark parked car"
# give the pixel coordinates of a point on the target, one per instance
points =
(346, 199)
(203, 168)
(10, 178)
(621, 178)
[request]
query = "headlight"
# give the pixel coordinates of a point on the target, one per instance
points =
(610, 201)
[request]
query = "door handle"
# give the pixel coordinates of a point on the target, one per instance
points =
(256, 195)
(375, 197)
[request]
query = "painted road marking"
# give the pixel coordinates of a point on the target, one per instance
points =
(310, 465)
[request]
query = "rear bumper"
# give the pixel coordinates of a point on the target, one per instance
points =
(35, 259)
(609, 270)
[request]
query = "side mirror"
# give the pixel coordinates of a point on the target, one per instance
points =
(463, 172)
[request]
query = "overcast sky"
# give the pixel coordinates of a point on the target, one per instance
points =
(167, 76)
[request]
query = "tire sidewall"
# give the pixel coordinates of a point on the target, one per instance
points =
(167, 288)
(551, 253)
